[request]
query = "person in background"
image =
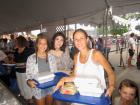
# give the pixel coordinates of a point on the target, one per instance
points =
(107, 47)
(31, 43)
(3, 73)
(138, 61)
(90, 42)
(132, 48)
(1, 43)
(61, 52)
(4, 45)
(73, 51)
(11, 44)
(118, 41)
(20, 57)
(3, 57)
(89, 63)
(38, 63)
(99, 45)
(128, 90)
(122, 42)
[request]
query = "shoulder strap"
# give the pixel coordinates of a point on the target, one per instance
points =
(91, 53)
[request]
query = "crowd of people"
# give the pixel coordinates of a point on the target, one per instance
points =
(84, 59)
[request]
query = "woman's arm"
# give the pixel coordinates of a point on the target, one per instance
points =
(29, 68)
(98, 57)
(3, 56)
(30, 72)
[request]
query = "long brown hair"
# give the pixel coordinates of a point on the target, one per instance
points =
(21, 42)
(41, 36)
(63, 47)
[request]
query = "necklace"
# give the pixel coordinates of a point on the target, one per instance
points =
(83, 59)
(41, 55)
(58, 53)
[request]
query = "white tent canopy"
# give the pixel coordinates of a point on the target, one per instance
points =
(136, 32)
(26, 14)
(121, 21)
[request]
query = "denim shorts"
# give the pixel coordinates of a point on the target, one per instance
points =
(41, 93)
(131, 52)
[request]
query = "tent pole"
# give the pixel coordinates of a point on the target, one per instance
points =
(41, 27)
(74, 26)
(137, 47)
(104, 24)
(65, 27)
(106, 29)
(106, 20)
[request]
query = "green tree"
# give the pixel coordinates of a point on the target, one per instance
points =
(100, 30)
(119, 30)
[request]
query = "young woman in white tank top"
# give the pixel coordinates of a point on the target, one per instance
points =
(90, 69)
(89, 62)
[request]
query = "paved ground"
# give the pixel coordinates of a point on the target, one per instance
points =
(122, 73)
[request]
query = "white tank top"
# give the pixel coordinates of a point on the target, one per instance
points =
(90, 69)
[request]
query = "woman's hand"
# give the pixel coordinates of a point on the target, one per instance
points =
(31, 83)
(109, 91)
(62, 81)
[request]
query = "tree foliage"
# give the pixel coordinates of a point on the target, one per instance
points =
(100, 30)
(119, 30)
(114, 31)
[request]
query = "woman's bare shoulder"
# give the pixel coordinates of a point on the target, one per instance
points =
(96, 53)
